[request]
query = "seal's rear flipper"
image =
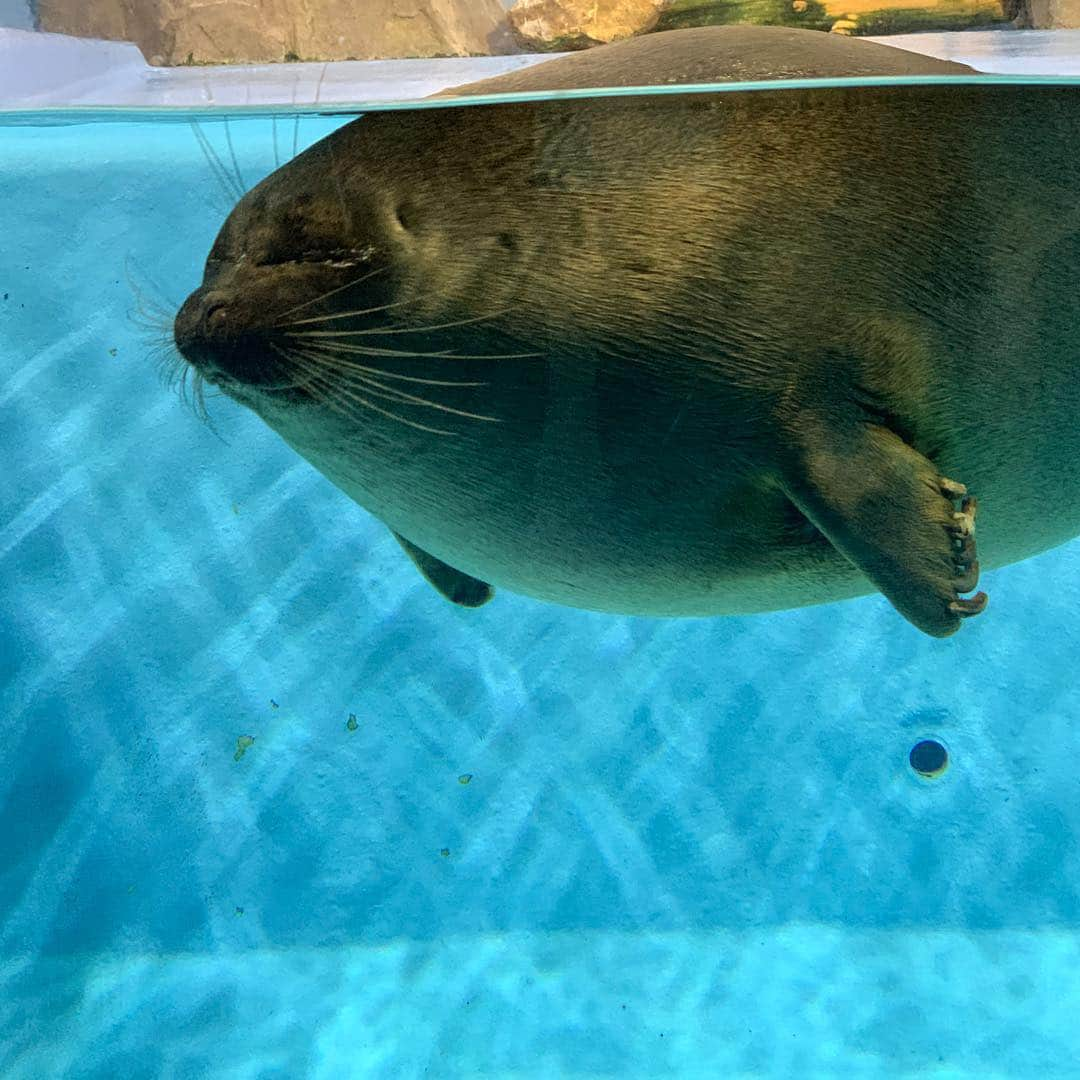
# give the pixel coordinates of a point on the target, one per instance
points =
(884, 506)
(453, 584)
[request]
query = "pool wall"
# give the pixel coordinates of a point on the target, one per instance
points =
(552, 843)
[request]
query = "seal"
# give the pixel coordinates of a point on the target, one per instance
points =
(681, 354)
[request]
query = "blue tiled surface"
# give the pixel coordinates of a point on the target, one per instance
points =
(687, 848)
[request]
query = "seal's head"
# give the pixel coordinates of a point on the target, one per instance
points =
(348, 276)
(287, 253)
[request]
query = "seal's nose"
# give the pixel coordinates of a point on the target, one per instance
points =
(213, 335)
(203, 320)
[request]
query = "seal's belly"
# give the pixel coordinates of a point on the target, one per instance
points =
(653, 517)
(626, 495)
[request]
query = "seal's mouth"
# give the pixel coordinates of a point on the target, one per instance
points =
(259, 326)
(226, 341)
(324, 336)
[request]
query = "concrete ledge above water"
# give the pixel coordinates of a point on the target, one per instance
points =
(52, 70)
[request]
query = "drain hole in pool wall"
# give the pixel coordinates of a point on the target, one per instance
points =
(929, 758)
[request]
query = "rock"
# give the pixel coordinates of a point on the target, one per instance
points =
(565, 25)
(875, 17)
(1043, 14)
(239, 31)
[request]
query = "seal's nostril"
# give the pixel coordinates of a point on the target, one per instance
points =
(216, 316)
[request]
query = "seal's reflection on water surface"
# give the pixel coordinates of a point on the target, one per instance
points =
(686, 354)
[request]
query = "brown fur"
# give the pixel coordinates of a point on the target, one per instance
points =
(742, 338)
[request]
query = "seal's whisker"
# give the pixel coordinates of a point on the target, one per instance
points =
(367, 384)
(296, 119)
(198, 391)
(190, 387)
(402, 396)
(158, 325)
(351, 365)
(149, 318)
(173, 370)
(397, 329)
(332, 292)
(335, 174)
(293, 358)
(430, 328)
(391, 393)
(170, 364)
(359, 313)
(319, 388)
(217, 166)
(310, 367)
(337, 334)
(369, 350)
(311, 364)
(156, 311)
(445, 354)
(147, 307)
(233, 159)
(331, 391)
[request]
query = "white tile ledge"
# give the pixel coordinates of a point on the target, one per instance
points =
(43, 70)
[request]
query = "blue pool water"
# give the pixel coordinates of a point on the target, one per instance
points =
(685, 848)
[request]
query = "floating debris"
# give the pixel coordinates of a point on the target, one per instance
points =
(445, 852)
(351, 723)
(464, 778)
(242, 743)
(274, 704)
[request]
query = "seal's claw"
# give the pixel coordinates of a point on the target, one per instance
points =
(967, 577)
(962, 540)
(973, 606)
(961, 532)
(963, 520)
(963, 552)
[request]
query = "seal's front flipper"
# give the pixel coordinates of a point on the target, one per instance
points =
(453, 584)
(884, 506)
